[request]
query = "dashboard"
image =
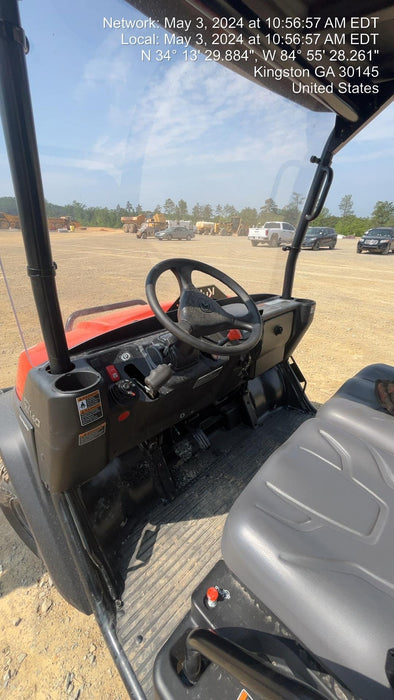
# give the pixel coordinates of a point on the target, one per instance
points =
(138, 382)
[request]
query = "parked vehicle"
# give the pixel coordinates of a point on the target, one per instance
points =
(320, 237)
(272, 233)
(186, 223)
(55, 223)
(150, 227)
(207, 228)
(234, 227)
(131, 224)
(130, 438)
(377, 240)
(8, 221)
(175, 232)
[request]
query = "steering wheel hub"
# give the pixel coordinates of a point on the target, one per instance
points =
(206, 307)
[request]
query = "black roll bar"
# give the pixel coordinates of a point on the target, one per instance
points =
(313, 205)
(19, 132)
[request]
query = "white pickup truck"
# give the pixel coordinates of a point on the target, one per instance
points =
(274, 233)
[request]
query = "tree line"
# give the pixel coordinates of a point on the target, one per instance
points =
(346, 224)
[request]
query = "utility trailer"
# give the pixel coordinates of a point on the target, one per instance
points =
(163, 459)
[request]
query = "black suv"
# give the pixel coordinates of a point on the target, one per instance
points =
(318, 236)
(378, 240)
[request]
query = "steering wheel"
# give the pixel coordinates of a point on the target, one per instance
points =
(199, 315)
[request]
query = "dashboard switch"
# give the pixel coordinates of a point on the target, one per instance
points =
(124, 391)
(112, 373)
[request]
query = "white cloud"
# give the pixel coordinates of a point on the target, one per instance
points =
(198, 116)
(185, 116)
(109, 68)
(89, 164)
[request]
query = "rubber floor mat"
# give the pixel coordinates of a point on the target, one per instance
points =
(168, 554)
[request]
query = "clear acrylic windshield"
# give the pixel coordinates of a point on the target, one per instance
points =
(138, 132)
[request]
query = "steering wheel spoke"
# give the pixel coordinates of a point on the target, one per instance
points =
(183, 273)
(241, 324)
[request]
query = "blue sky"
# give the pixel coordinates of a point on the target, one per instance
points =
(113, 129)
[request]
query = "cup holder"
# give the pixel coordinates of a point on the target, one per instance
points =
(75, 381)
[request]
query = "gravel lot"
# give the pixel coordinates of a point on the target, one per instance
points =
(49, 650)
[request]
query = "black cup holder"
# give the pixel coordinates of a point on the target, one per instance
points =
(75, 381)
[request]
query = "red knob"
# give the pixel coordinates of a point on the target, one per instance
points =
(212, 596)
(234, 334)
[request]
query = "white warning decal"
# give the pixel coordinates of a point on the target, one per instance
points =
(89, 407)
(90, 435)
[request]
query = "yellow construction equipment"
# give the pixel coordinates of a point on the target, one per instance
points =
(234, 227)
(8, 221)
(206, 228)
(131, 224)
(150, 226)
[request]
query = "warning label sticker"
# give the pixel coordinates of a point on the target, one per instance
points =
(244, 695)
(90, 435)
(89, 407)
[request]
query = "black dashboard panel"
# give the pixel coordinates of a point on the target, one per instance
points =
(136, 382)
(137, 410)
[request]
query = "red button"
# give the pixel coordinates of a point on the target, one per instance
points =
(123, 416)
(113, 373)
(212, 594)
(234, 334)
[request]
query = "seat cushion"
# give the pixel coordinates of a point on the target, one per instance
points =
(312, 536)
(361, 387)
(356, 408)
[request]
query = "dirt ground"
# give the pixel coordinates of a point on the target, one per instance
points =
(49, 650)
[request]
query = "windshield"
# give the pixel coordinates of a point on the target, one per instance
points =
(139, 132)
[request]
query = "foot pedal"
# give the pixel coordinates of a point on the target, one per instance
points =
(201, 439)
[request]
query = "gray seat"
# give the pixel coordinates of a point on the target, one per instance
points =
(312, 535)
(356, 408)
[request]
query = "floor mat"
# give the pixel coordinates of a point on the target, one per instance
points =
(169, 554)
